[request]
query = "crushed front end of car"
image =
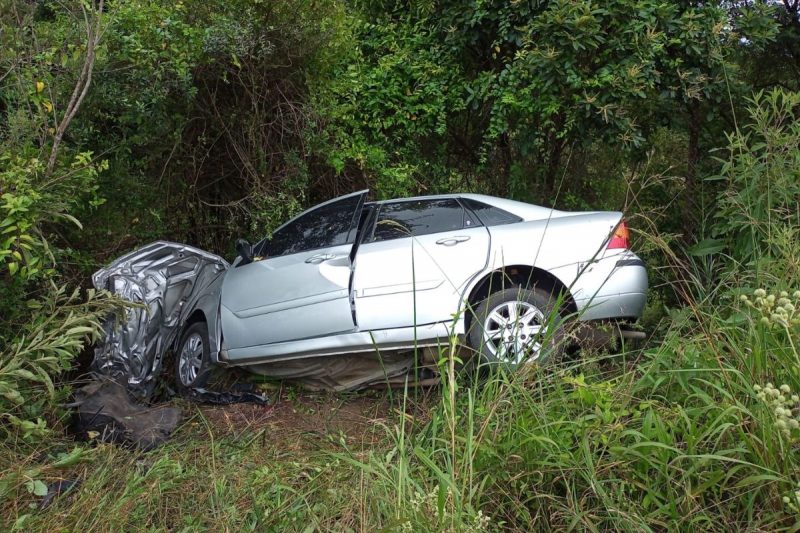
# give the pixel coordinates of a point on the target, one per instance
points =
(166, 282)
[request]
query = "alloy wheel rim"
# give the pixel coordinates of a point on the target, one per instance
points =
(191, 359)
(512, 332)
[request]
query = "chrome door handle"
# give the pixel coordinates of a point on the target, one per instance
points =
(319, 258)
(452, 241)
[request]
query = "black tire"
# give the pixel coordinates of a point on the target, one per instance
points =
(186, 378)
(541, 304)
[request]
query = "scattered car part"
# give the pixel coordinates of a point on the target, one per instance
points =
(626, 332)
(104, 409)
(226, 397)
(56, 489)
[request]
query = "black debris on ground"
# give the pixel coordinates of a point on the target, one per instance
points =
(105, 411)
(56, 489)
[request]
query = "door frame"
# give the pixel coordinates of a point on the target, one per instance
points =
(286, 305)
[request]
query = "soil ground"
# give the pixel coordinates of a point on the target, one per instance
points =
(302, 420)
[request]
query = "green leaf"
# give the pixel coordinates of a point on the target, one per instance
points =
(36, 487)
(25, 374)
(79, 330)
(72, 219)
(71, 458)
(706, 247)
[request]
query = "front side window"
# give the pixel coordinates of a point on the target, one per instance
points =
(325, 226)
(419, 217)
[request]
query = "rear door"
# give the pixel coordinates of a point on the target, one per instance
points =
(300, 289)
(414, 266)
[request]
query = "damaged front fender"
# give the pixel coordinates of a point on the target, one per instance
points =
(169, 282)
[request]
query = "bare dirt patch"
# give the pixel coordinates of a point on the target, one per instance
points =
(306, 420)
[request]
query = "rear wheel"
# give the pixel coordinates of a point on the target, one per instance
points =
(193, 365)
(516, 325)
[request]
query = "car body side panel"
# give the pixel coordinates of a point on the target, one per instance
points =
(572, 247)
(287, 298)
(359, 341)
(561, 246)
(416, 280)
(209, 305)
(304, 290)
(554, 245)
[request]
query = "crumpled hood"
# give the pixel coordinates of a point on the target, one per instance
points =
(166, 279)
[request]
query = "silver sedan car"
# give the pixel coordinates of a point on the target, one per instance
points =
(345, 294)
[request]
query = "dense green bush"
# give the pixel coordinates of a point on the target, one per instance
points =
(515, 98)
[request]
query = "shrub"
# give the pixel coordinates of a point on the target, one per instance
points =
(759, 214)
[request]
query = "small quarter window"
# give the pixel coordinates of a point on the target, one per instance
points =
(490, 215)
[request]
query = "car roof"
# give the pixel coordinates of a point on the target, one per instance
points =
(521, 209)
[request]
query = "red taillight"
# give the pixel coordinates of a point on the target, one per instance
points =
(621, 237)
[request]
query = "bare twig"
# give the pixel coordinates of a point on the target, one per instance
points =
(93, 34)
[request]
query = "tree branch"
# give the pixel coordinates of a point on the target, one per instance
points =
(93, 33)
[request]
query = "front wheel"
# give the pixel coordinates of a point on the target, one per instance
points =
(516, 325)
(193, 365)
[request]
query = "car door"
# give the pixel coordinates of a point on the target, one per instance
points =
(415, 265)
(300, 288)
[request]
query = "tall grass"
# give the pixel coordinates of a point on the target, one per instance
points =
(679, 442)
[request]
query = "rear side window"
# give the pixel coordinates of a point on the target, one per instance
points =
(420, 217)
(326, 226)
(490, 215)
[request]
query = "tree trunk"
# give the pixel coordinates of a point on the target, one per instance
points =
(554, 158)
(690, 202)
